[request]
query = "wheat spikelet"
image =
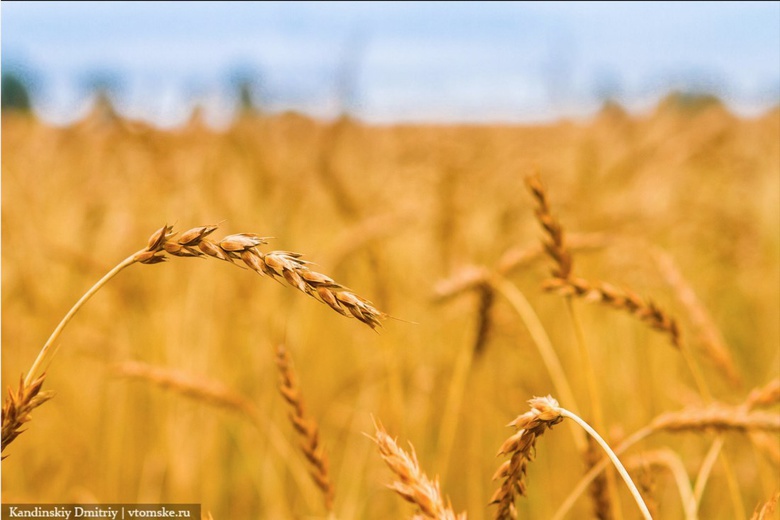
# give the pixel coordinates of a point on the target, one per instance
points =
(306, 427)
(544, 414)
(554, 245)
(643, 309)
(18, 408)
(286, 265)
(413, 484)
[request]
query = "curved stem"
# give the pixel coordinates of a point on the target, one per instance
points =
(87, 295)
(585, 481)
(615, 461)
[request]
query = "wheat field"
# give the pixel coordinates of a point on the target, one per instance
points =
(627, 266)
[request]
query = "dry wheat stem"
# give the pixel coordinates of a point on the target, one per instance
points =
(413, 484)
(18, 408)
(130, 260)
(306, 427)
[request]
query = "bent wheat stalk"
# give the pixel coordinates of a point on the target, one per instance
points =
(194, 243)
(545, 413)
(242, 247)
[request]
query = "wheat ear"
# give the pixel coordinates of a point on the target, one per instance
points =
(413, 484)
(306, 427)
(242, 247)
(544, 414)
(18, 407)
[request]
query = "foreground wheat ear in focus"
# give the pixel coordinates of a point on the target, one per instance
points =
(275, 264)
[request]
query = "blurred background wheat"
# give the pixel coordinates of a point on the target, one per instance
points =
(680, 203)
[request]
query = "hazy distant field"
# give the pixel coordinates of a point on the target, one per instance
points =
(390, 212)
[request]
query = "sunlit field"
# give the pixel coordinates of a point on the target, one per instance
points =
(648, 306)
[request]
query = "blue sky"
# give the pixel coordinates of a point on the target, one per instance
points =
(392, 61)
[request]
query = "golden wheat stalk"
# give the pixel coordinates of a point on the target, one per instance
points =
(18, 408)
(306, 427)
(544, 414)
(413, 484)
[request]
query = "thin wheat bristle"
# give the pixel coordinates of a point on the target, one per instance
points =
(18, 407)
(544, 414)
(413, 484)
(306, 427)
(286, 265)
